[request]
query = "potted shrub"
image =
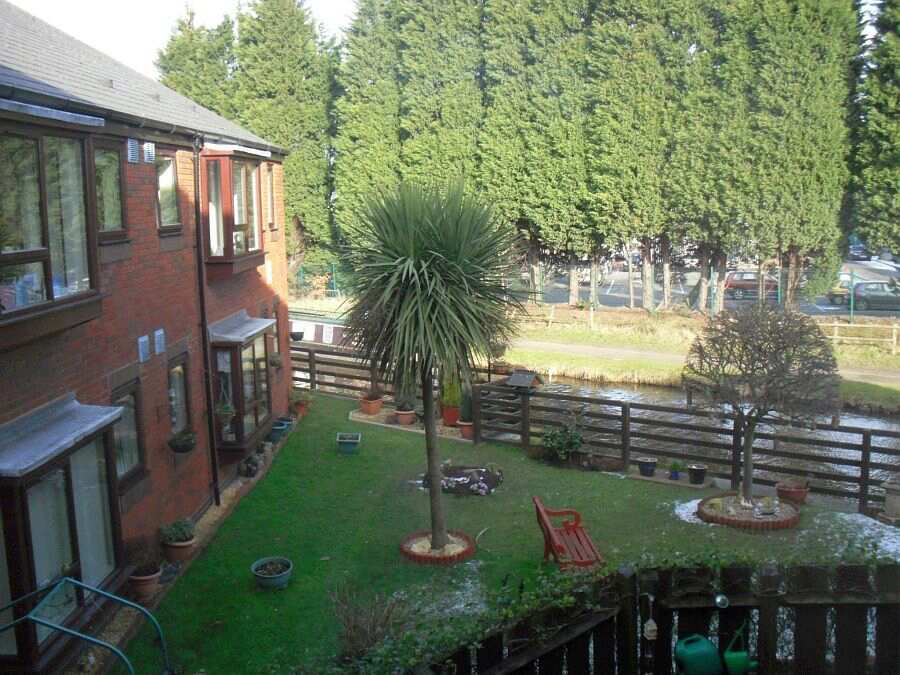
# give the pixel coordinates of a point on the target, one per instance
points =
(178, 540)
(561, 442)
(274, 572)
(466, 428)
(697, 474)
(301, 399)
(793, 490)
(224, 413)
(675, 469)
(647, 466)
(144, 579)
(451, 398)
(183, 441)
(372, 400)
(405, 409)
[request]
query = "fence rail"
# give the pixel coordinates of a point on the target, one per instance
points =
(882, 334)
(800, 619)
(843, 461)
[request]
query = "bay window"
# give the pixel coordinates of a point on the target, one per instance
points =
(232, 213)
(241, 358)
(44, 247)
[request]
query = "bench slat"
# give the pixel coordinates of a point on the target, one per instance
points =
(569, 544)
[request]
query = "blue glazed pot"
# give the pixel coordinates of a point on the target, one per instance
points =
(348, 444)
(272, 581)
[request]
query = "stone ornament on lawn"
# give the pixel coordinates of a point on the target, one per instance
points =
(467, 480)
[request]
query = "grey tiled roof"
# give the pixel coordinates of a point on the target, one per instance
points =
(41, 64)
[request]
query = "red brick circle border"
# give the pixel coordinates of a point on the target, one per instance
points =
(423, 559)
(752, 524)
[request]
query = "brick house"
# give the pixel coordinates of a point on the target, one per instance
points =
(122, 322)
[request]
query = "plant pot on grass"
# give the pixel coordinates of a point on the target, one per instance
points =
(178, 540)
(466, 428)
(301, 399)
(647, 466)
(183, 441)
(451, 400)
(272, 573)
(348, 443)
(405, 410)
(675, 470)
(697, 474)
(793, 491)
(371, 401)
(144, 578)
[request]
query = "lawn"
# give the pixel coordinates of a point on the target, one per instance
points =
(340, 518)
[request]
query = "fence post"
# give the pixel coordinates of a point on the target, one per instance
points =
(866, 460)
(851, 582)
(769, 599)
(312, 370)
(737, 448)
(476, 414)
(894, 339)
(525, 430)
(834, 332)
(626, 436)
(626, 622)
(887, 618)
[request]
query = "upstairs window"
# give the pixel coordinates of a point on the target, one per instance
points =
(168, 218)
(44, 252)
(108, 181)
(233, 206)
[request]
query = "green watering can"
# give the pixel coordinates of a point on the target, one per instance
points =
(696, 655)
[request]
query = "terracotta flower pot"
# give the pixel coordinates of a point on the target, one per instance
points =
(450, 415)
(793, 493)
(179, 551)
(371, 406)
(405, 417)
(144, 587)
(301, 408)
(466, 430)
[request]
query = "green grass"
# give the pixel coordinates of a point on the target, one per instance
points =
(596, 368)
(864, 395)
(341, 519)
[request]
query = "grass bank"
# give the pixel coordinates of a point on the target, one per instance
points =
(340, 519)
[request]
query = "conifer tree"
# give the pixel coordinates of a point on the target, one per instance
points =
(440, 71)
(284, 83)
(198, 62)
(877, 198)
(367, 146)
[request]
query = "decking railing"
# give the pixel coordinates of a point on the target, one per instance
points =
(839, 460)
(800, 619)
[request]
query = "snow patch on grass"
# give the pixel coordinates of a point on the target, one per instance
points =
(687, 511)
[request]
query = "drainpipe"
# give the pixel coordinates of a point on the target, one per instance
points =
(204, 332)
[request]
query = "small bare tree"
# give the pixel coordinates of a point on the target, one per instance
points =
(758, 361)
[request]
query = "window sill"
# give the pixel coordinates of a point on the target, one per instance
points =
(21, 329)
(131, 479)
(109, 237)
(169, 230)
(218, 269)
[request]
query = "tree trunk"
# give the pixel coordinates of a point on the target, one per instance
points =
(573, 280)
(647, 280)
(703, 283)
(720, 271)
(793, 279)
(595, 278)
(761, 283)
(534, 273)
(438, 523)
(630, 268)
(747, 481)
(665, 249)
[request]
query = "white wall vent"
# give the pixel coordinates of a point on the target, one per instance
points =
(149, 152)
(134, 155)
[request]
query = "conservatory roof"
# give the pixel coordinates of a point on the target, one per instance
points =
(30, 441)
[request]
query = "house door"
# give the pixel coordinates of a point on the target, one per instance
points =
(71, 528)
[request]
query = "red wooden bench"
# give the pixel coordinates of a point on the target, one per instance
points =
(570, 545)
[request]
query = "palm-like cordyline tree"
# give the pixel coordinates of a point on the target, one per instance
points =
(429, 283)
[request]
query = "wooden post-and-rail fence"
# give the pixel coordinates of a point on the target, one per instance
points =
(841, 620)
(843, 461)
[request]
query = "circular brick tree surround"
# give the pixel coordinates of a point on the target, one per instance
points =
(788, 515)
(468, 550)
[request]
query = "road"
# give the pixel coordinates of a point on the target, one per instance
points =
(871, 375)
(613, 292)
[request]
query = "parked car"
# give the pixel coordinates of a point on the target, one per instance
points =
(746, 284)
(839, 293)
(877, 295)
(858, 252)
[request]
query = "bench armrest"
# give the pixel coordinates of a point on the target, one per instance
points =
(576, 517)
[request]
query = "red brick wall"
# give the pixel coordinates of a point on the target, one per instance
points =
(153, 286)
